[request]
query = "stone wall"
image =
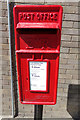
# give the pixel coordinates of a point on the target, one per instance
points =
(68, 83)
(5, 59)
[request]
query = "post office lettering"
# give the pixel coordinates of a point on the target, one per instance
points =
(24, 16)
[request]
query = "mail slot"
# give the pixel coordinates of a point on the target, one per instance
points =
(37, 40)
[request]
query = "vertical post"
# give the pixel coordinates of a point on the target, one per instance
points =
(38, 111)
(9, 26)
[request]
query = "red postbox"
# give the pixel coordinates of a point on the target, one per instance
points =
(37, 40)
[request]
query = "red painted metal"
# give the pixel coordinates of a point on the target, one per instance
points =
(37, 38)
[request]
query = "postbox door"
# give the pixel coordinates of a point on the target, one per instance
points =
(37, 39)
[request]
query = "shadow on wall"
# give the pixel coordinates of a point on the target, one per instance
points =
(73, 101)
(11, 5)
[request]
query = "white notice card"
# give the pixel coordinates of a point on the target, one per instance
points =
(38, 74)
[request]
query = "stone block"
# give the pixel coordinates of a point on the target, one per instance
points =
(6, 81)
(65, 76)
(5, 47)
(4, 13)
(73, 81)
(30, 1)
(6, 112)
(3, 41)
(72, 17)
(67, 31)
(63, 3)
(71, 71)
(63, 61)
(69, 56)
(62, 71)
(3, 27)
(66, 66)
(65, 37)
(75, 38)
(5, 34)
(5, 52)
(67, 24)
(6, 87)
(4, 5)
(76, 25)
(4, 20)
(69, 44)
(64, 50)
(70, 9)
(74, 50)
(6, 77)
